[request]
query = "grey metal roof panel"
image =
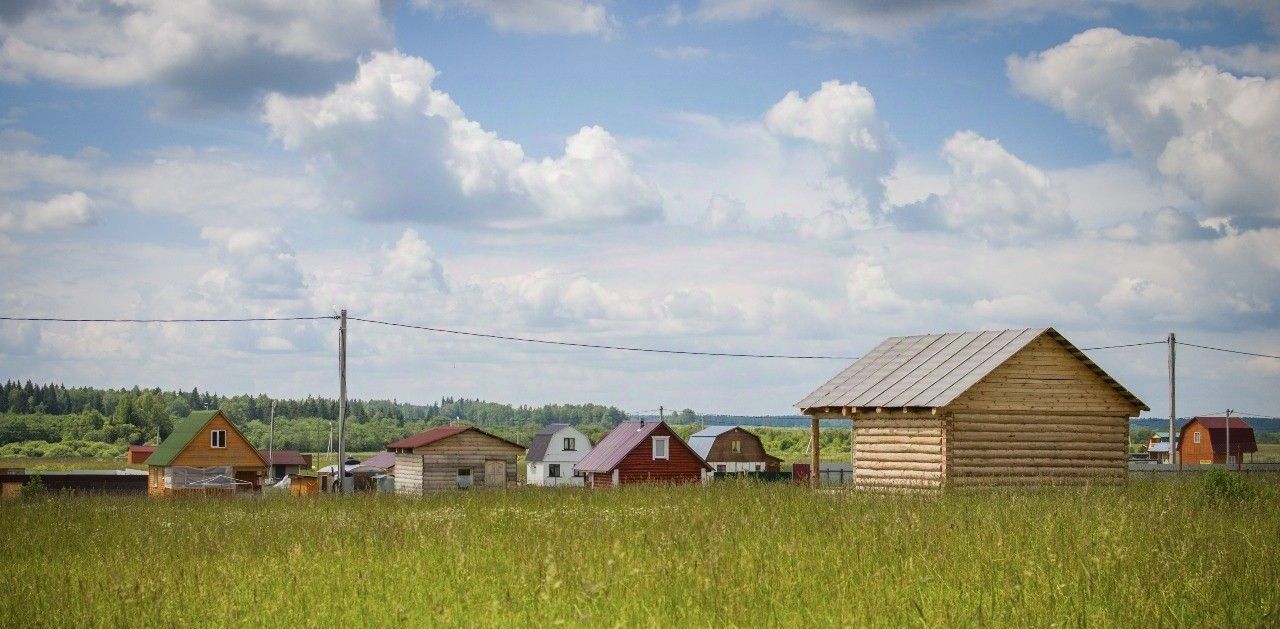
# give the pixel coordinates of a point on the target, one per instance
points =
(702, 445)
(987, 359)
(938, 366)
(541, 440)
(847, 374)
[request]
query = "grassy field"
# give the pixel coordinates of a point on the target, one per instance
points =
(734, 554)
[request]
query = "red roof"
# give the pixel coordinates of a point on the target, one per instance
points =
(616, 445)
(436, 434)
(285, 457)
(142, 449)
(1242, 439)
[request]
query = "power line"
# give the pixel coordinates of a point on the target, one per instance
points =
(237, 320)
(1089, 349)
(594, 346)
(1229, 351)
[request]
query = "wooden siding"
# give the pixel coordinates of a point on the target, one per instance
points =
(722, 448)
(434, 467)
(1044, 377)
(1034, 449)
(239, 453)
(898, 451)
(639, 466)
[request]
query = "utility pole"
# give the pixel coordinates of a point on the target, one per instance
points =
(271, 445)
(1228, 429)
(342, 401)
(1173, 400)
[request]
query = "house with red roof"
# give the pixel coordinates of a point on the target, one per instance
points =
(453, 457)
(641, 452)
(282, 463)
(1203, 440)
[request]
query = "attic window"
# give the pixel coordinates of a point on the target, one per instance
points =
(1195, 437)
(570, 444)
(217, 439)
(661, 447)
(737, 446)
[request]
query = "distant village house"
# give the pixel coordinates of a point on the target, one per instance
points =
(205, 453)
(641, 452)
(554, 454)
(733, 450)
(1203, 441)
(453, 457)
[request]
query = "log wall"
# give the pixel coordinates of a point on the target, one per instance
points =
(898, 451)
(434, 467)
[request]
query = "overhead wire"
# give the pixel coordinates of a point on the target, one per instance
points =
(206, 320)
(1229, 351)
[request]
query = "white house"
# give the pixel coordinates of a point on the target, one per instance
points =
(554, 454)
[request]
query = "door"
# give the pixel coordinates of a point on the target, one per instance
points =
(495, 473)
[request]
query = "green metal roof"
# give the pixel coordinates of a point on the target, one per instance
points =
(183, 432)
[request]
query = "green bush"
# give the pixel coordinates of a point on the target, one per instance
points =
(1220, 484)
(33, 489)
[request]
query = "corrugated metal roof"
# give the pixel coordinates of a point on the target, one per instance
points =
(1242, 437)
(184, 430)
(932, 370)
(702, 440)
(284, 457)
(620, 441)
(433, 435)
(384, 460)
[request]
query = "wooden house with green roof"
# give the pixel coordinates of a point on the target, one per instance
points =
(205, 453)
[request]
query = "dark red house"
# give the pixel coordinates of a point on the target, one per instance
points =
(641, 452)
(1203, 440)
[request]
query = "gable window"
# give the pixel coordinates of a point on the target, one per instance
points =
(570, 444)
(553, 470)
(464, 477)
(737, 446)
(661, 447)
(1195, 437)
(218, 439)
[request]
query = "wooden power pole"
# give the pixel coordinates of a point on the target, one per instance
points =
(1173, 400)
(342, 401)
(271, 444)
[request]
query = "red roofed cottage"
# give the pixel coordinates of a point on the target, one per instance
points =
(453, 457)
(1203, 440)
(641, 452)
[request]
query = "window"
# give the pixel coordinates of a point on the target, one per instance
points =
(218, 439)
(464, 477)
(1195, 437)
(757, 467)
(737, 446)
(553, 470)
(570, 444)
(722, 468)
(660, 447)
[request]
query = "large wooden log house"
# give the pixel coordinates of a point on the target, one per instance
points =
(1013, 407)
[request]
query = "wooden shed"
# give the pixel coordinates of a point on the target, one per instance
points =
(641, 452)
(733, 450)
(1013, 407)
(453, 457)
(1203, 440)
(205, 454)
(138, 454)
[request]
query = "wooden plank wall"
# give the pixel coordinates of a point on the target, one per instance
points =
(434, 467)
(239, 453)
(898, 451)
(1042, 417)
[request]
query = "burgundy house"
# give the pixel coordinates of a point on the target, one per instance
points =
(641, 452)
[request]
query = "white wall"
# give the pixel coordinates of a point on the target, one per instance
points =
(735, 466)
(536, 472)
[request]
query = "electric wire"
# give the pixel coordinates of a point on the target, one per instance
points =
(1089, 349)
(232, 320)
(1229, 351)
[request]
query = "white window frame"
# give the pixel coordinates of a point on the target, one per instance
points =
(570, 444)
(553, 470)
(736, 446)
(217, 437)
(666, 448)
(1195, 437)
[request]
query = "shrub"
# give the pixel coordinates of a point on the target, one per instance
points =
(33, 489)
(1219, 484)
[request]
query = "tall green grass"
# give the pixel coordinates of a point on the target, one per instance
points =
(1156, 553)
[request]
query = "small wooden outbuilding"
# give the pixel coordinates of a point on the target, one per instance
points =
(1012, 407)
(1203, 441)
(137, 454)
(733, 450)
(453, 457)
(641, 452)
(206, 454)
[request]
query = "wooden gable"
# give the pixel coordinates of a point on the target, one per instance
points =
(199, 452)
(472, 441)
(1044, 376)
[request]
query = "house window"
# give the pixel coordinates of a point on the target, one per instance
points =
(757, 467)
(1195, 437)
(660, 447)
(737, 446)
(722, 468)
(218, 439)
(464, 477)
(553, 470)
(570, 444)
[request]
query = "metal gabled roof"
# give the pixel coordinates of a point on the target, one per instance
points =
(620, 441)
(704, 439)
(932, 370)
(184, 430)
(541, 441)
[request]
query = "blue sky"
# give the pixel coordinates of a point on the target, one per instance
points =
(726, 175)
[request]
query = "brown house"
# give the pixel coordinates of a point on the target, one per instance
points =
(205, 453)
(137, 455)
(733, 450)
(453, 457)
(1203, 440)
(1011, 407)
(641, 452)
